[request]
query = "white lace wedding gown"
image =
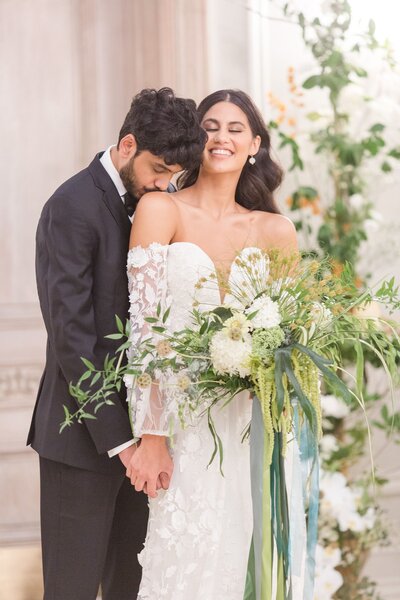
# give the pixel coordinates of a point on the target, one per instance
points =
(199, 531)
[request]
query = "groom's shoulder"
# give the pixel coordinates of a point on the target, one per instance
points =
(77, 191)
(77, 185)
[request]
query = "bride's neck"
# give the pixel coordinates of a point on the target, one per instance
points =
(216, 193)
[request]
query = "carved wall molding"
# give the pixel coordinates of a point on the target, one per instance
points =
(19, 384)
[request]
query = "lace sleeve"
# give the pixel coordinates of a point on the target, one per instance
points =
(152, 411)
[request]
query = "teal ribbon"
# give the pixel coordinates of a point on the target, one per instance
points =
(272, 527)
(310, 477)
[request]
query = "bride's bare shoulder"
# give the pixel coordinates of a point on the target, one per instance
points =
(159, 201)
(277, 231)
(155, 219)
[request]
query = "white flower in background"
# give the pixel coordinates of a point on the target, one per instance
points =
(357, 201)
(327, 529)
(370, 518)
(268, 314)
(328, 445)
(334, 407)
(374, 223)
(327, 579)
(230, 356)
(327, 582)
(332, 485)
(341, 503)
(327, 556)
(352, 99)
(321, 315)
(350, 520)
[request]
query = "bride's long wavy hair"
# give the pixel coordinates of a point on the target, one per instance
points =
(257, 182)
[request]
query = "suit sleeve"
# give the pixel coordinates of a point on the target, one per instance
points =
(67, 248)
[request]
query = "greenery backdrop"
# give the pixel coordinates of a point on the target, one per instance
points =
(336, 135)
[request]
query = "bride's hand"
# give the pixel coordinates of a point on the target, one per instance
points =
(151, 465)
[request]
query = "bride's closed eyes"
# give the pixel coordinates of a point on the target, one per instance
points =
(214, 125)
(230, 130)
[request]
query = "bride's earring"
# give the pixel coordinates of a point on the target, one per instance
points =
(252, 160)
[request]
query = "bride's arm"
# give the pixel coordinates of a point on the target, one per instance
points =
(153, 228)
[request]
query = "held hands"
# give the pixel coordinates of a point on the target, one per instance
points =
(150, 465)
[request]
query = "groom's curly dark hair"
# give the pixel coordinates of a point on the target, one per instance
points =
(166, 126)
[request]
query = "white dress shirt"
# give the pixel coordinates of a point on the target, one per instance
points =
(109, 166)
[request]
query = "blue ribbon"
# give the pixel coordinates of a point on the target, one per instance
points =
(305, 493)
(310, 476)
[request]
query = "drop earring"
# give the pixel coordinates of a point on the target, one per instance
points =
(252, 160)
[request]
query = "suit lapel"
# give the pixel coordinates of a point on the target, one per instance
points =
(111, 197)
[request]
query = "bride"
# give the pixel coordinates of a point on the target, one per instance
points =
(200, 524)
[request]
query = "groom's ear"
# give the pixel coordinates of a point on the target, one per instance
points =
(127, 146)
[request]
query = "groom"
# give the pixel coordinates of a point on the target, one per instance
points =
(93, 521)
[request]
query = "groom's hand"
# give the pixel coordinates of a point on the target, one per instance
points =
(126, 455)
(151, 465)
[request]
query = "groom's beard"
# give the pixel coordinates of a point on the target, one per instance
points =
(131, 181)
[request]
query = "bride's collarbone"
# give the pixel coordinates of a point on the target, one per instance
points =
(221, 244)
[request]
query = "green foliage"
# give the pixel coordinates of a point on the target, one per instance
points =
(389, 423)
(339, 230)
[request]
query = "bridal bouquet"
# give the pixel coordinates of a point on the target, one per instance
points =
(281, 324)
(280, 333)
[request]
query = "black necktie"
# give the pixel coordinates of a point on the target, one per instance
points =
(130, 203)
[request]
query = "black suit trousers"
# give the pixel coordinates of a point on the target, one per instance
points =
(93, 526)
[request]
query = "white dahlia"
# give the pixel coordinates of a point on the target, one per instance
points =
(230, 356)
(268, 314)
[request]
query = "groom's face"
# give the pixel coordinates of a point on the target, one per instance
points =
(145, 172)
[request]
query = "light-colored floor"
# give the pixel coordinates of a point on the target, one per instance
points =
(21, 573)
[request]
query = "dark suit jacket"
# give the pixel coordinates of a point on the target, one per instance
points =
(82, 242)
